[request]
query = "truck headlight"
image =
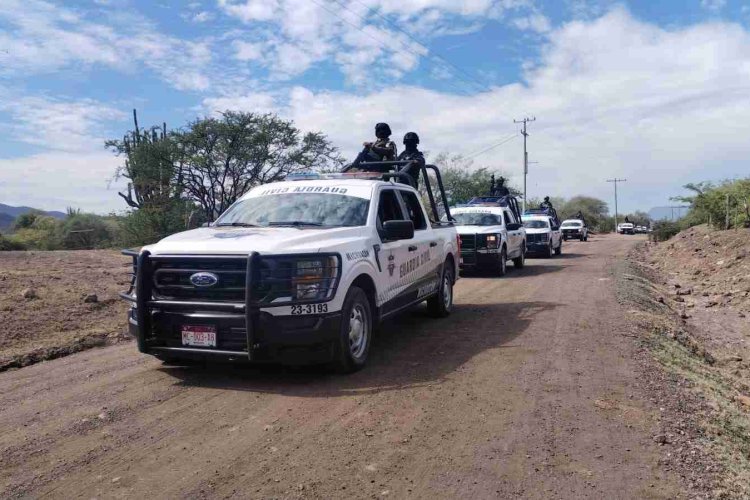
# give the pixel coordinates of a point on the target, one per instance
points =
(315, 278)
(492, 241)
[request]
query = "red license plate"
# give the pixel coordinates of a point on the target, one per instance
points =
(199, 335)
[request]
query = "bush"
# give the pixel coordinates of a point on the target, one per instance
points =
(85, 231)
(664, 230)
(10, 244)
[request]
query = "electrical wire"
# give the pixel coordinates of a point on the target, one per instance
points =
(497, 145)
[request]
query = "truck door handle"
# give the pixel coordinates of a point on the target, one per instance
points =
(412, 248)
(433, 243)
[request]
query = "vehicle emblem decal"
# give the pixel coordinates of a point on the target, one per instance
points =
(204, 279)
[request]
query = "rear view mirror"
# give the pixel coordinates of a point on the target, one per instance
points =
(398, 230)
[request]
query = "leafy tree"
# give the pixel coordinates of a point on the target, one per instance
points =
(25, 221)
(722, 205)
(462, 182)
(222, 158)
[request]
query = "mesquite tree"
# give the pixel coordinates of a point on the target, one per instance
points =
(222, 158)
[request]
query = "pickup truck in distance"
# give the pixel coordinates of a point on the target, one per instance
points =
(296, 272)
(543, 234)
(491, 233)
(575, 229)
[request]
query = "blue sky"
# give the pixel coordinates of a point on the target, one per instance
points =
(655, 92)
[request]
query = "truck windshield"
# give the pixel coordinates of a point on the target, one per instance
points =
(478, 219)
(571, 224)
(535, 224)
(299, 210)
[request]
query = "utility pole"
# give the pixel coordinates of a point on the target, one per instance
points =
(616, 180)
(525, 155)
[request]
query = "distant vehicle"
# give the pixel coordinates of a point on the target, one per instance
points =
(491, 232)
(626, 228)
(574, 229)
(543, 235)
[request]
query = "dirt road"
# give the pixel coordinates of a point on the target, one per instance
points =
(529, 390)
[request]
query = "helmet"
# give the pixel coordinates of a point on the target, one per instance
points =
(411, 137)
(546, 198)
(501, 180)
(382, 130)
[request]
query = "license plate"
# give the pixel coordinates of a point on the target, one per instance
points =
(199, 335)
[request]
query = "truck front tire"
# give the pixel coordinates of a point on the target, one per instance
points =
(520, 261)
(441, 304)
(355, 332)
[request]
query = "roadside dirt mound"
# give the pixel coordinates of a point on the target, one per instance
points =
(55, 303)
(710, 267)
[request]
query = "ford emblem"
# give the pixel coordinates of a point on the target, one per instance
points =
(204, 279)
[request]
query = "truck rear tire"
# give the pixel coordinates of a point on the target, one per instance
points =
(441, 304)
(355, 332)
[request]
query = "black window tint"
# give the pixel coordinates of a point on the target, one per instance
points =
(414, 210)
(388, 207)
(507, 219)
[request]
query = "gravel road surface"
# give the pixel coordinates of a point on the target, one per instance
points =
(530, 389)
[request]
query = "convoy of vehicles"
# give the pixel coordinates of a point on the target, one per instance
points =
(626, 228)
(575, 229)
(543, 234)
(298, 271)
(491, 233)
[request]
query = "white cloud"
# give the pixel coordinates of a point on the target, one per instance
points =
(44, 38)
(534, 22)
(60, 125)
(714, 5)
(364, 38)
(245, 51)
(613, 97)
(56, 180)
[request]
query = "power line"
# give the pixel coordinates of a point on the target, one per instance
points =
(497, 145)
(433, 53)
(616, 180)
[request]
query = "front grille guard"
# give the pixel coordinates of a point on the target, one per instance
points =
(142, 284)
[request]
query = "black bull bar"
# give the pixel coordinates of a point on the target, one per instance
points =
(142, 284)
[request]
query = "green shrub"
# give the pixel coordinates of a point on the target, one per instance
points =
(664, 230)
(9, 243)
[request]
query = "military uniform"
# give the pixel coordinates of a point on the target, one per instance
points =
(415, 167)
(382, 149)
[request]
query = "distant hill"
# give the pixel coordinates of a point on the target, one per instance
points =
(667, 213)
(9, 213)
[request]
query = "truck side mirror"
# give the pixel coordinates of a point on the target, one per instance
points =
(398, 230)
(513, 226)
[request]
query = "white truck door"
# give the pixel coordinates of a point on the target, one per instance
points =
(424, 251)
(514, 236)
(392, 254)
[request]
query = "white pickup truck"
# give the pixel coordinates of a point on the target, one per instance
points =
(294, 272)
(491, 232)
(544, 235)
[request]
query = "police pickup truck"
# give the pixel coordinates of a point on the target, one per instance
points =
(491, 232)
(296, 272)
(543, 232)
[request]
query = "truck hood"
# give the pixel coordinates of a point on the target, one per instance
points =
(243, 240)
(478, 229)
(537, 231)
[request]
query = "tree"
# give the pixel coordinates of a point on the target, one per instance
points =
(222, 158)
(594, 210)
(463, 183)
